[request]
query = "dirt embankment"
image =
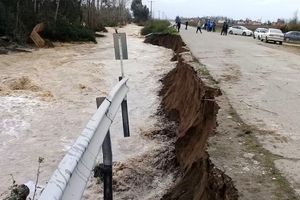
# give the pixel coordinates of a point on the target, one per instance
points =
(173, 42)
(190, 102)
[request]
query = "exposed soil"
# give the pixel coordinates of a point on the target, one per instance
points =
(173, 42)
(190, 101)
(148, 172)
(147, 176)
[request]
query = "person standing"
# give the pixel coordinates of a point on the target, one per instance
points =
(226, 28)
(186, 25)
(199, 24)
(178, 23)
(214, 26)
(223, 28)
(178, 26)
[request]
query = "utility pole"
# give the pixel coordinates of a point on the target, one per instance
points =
(151, 2)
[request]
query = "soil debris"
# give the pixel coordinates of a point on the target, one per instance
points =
(187, 98)
(173, 42)
(153, 171)
(190, 101)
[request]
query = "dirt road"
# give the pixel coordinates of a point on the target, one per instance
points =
(48, 96)
(262, 84)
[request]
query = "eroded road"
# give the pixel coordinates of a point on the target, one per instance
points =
(262, 84)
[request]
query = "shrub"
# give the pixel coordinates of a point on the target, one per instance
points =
(158, 26)
(64, 31)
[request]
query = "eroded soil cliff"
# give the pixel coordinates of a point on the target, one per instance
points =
(190, 101)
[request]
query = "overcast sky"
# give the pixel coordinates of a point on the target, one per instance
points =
(236, 9)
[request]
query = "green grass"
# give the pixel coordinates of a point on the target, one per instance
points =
(158, 26)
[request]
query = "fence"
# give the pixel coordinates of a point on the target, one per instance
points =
(36, 38)
(70, 178)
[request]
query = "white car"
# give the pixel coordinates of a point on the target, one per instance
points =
(240, 30)
(258, 32)
(274, 35)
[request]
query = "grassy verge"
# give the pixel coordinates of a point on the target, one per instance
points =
(158, 26)
(266, 158)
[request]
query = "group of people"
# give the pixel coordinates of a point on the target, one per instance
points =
(209, 26)
(178, 25)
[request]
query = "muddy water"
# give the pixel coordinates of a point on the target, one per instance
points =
(44, 122)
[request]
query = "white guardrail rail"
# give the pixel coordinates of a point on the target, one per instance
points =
(69, 180)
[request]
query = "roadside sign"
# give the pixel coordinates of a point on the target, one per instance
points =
(120, 44)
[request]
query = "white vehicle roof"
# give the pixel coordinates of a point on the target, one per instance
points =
(261, 29)
(274, 30)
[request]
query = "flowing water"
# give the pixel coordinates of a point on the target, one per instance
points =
(47, 97)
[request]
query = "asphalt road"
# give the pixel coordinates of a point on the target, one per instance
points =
(262, 83)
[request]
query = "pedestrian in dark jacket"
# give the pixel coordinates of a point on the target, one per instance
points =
(178, 23)
(224, 28)
(214, 26)
(178, 26)
(186, 25)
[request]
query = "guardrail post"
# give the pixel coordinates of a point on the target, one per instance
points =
(125, 117)
(107, 161)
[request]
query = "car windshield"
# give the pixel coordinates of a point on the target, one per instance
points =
(275, 31)
(263, 30)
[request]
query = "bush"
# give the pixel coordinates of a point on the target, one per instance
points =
(293, 27)
(64, 31)
(158, 26)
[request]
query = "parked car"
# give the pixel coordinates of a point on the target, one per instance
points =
(240, 30)
(258, 32)
(292, 36)
(274, 35)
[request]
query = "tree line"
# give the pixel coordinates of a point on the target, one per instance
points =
(66, 20)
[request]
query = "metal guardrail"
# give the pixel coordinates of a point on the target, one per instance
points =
(69, 180)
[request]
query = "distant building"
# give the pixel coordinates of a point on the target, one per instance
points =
(256, 23)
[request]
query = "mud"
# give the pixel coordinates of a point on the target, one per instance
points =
(190, 101)
(143, 177)
(22, 83)
(149, 175)
(173, 42)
